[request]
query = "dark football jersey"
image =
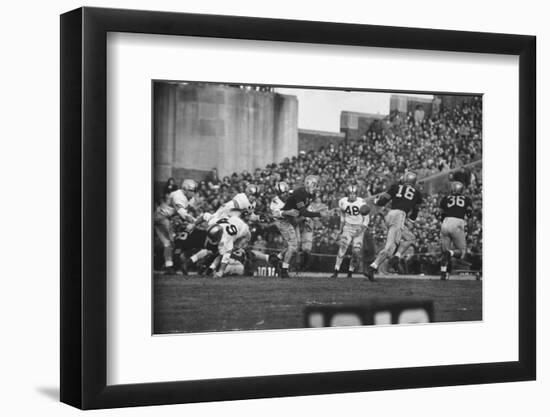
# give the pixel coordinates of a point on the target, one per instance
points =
(455, 206)
(404, 197)
(298, 200)
(196, 239)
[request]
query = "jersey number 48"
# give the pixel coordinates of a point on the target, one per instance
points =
(352, 210)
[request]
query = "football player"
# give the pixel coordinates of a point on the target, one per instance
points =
(295, 210)
(204, 242)
(405, 202)
(455, 207)
(235, 237)
(276, 205)
(243, 202)
(352, 227)
(177, 202)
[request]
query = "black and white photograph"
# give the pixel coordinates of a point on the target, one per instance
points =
(286, 207)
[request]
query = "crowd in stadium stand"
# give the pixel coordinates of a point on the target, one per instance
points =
(434, 145)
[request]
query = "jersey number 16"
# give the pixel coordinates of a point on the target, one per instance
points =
(409, 192)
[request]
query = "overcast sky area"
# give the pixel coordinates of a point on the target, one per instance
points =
(320, 109)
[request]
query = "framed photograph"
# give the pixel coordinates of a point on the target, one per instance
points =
(257, 208)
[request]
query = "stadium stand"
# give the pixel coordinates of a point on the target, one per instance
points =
(440, 147)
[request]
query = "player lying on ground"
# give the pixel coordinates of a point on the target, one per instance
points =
(354, 220)
(405, 201)
(233, 240)
(177, 202)
(294, 210)
(454, 207)
(201, 242)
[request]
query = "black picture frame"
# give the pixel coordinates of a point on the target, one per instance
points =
(84, 207)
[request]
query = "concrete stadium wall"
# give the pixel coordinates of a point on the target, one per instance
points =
(312, 140)
(198, 127)
(354, 124)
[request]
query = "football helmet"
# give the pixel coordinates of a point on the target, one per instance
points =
(409, 178)
(189, 185)
(251, 191)
(282, 187)
(214, 234)
(311, 183)
(457, 188)
(352, 192)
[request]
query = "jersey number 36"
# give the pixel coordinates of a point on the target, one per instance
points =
(457, 200)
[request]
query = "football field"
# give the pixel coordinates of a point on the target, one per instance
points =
(185, 304)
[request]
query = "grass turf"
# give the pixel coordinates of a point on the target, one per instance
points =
(197, 304)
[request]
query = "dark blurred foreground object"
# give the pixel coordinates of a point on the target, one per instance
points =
(369, 312)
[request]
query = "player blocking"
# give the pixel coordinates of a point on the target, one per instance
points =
(291, 214)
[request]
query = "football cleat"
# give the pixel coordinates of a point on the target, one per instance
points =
(284, 273)
(350, 274)
(169, 270)
(334, 274)
(185, 263)
(369, 273)
(444, 276)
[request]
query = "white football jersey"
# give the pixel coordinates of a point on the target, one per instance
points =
(240, 202)
(234, 228)
(180, 202)
(351, 213)
(276, 206)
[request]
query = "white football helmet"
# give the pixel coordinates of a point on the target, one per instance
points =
(311, 183)
(189, 185)
(352, 192)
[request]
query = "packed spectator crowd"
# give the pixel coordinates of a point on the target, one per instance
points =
(434, 145)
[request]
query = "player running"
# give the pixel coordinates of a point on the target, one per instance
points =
(405, 202)
(353, 223)
(293, 211)
(455, 207)
(277, 213)
(178, 202)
